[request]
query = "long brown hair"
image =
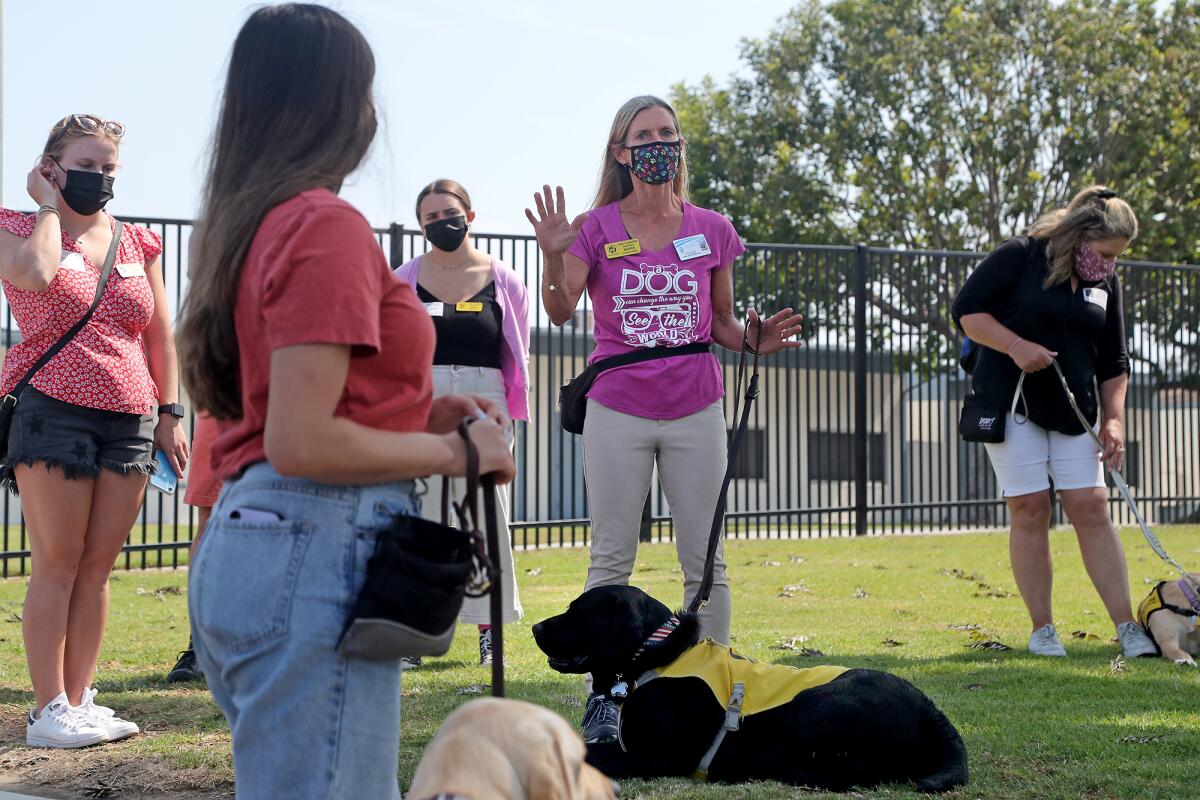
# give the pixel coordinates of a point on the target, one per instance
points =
(615, 181)
(1094, 214)
(297, 114)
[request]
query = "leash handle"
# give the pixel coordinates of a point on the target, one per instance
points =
(1118, 479)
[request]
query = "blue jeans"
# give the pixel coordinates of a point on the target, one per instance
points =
(268, 595)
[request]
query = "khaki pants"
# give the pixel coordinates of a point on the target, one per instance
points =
(619, 454)
(488, 383)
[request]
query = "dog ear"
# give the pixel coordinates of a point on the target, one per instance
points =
(555, 775)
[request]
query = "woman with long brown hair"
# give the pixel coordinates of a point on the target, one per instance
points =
(83, 432)
(1055, 295)
(296, 330)
(659, 272)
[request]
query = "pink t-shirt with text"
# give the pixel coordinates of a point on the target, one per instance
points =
(655, 299)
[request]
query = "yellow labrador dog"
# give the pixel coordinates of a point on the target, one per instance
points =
(1169, 614)
(494, 749)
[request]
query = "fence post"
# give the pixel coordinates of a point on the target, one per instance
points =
(396, 245)
(860, 390)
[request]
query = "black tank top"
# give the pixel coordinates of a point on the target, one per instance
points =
(465, 336)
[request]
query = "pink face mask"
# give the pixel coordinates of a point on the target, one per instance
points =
(1090, 265)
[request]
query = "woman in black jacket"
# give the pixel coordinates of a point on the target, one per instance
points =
(1054, 295)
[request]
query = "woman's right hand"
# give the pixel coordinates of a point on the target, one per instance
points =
(1031, 356)
(43, 192)
(554, 234)
(495, 458)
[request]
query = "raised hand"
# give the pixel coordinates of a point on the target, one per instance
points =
(40, 187)
(554, 234)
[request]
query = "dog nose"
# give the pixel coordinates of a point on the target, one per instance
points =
(537, 628)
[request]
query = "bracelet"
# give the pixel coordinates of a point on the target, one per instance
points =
(1016, 341)
(50, 208)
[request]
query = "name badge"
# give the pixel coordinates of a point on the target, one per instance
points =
(435, 309)
(691, 247)
(73, 261)
(468, 306)
(629, 247)
(1097, 296)
(130, 270)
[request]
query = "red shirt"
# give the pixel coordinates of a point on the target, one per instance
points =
(104, 366)
(315, 274)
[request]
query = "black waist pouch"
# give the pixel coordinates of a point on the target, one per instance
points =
(572, 395)
(416, 580)
(981, 420)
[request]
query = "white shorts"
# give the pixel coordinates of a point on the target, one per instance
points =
(1030, 455)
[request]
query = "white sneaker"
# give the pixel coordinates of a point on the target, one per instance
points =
(1134, 641)
(105, 718)
(1045, 642)
(60, 725)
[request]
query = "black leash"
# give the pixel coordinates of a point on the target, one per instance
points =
(735, 444)
(496, 597)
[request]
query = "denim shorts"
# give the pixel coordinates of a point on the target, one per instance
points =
(78, 440)
(279, 567)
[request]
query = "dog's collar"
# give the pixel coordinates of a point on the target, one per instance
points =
(656, 638)
(1190, 594)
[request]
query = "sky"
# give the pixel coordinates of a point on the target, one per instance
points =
(502, 96)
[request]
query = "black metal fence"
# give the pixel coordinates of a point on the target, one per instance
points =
(853, 434)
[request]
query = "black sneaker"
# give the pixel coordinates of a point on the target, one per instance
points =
(485, 647)
(186, 669)
(408, 662)
(600, 720)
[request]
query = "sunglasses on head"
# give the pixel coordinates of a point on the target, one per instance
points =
(91, 125)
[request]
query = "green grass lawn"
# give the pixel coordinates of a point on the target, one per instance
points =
(1091, 726)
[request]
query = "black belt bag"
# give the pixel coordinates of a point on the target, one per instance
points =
(417, 578)
(983, 421)
(572, 396)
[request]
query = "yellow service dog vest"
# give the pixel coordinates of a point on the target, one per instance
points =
(742, 686)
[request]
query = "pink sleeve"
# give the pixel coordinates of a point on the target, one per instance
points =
(731, 244)
(149, 241)
(590, 238)
(15, 222)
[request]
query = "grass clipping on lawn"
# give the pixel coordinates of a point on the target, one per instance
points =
(940, 611)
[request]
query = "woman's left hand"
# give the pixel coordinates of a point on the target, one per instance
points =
(170, 437)
(1112, 436)
(447, 411)
(774, 333)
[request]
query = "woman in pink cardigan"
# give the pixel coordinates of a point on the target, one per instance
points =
(480, 309)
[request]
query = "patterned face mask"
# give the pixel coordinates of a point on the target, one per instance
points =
(656, 162)
(1090, 265)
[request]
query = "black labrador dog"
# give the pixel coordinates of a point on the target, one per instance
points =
(855, 727)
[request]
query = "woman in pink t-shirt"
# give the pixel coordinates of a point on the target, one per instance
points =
(83, 432)
(669, 283)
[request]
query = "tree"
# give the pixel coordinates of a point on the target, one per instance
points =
(951, 124)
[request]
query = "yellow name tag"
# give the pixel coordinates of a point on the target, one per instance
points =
(468, 306)
(629, 247)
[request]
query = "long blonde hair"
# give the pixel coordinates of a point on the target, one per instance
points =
(1094, 214)
(615, 181)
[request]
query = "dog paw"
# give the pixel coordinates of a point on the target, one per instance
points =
(1186, 662)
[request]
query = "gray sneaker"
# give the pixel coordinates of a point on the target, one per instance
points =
(1134, 641)
(1045, 642)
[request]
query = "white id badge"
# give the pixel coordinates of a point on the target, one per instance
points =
(435, 309)
(1097, 296)
(72, 261)
(691, 247)
(130, 270)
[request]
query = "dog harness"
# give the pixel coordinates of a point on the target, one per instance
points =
(1155, 602)
(742, 686)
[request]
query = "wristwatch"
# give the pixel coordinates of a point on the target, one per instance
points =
(174, 409)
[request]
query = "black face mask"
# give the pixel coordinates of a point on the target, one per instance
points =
(86, 192)
(447, 234)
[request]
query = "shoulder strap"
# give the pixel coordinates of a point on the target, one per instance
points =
(55, 348)
(649, 354)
